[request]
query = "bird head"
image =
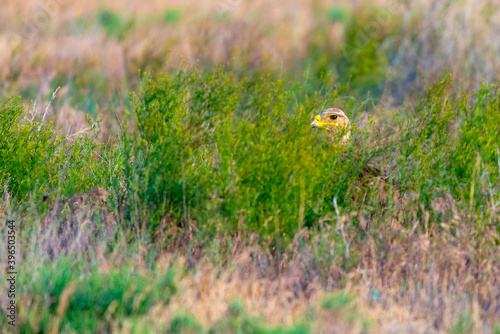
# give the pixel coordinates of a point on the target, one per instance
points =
(333, 120)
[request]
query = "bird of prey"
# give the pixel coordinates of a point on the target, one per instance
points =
(370, 178)
(333, 120)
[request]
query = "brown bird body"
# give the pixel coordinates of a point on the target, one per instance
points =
(370, 177)
(336, 121)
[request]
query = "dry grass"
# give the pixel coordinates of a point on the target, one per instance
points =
(411, 282)
(414, 284)
(45, 40)
(414, 280)
(448, 36)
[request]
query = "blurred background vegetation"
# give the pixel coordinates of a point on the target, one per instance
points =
(173, 183)
(94, 50)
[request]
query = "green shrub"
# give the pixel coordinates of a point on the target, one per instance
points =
(215, 149)
(35, 158)
(172, 16)
(113, 23)
(463, 325)
(451, 144)
(90, 301)
(28, 150)
(234, 155)
(338, 14)
(360, 59)
(237, 321)
(337, 300)
(184, 324)
(364, 56)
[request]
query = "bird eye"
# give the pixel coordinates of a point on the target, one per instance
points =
(333, 116)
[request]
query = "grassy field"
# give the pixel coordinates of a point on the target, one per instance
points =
(158, 161)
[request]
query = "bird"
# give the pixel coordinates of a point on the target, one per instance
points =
(334, 120)
(370, 177)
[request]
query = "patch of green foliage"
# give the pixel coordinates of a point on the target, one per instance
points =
(342, 303)
(364, 58)
(464, 324)
(90, 301)
(172, 16)
(222, 151)
(89, 91)
(451, 143)
(184, 324)
(215, 149)
(360, 59)
(237, 321)
(338, 300)
(236, 155)
(114, 24)
(338, 14)
(34, 157)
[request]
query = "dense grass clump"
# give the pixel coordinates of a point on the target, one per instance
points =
(233, 155)
(91, 301)
(36, 159)
(242, 156)
(204, 203)
(210, 163)
(452, 143)
(113, 23)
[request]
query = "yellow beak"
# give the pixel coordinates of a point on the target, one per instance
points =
(317, 122)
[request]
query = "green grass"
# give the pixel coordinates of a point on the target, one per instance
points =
(89, 301)
(216, 149)
(236, 157)
(33, 154)
(338, 14)
(114, 24)
(206, 163)
(172, 16)
(213, 148)
(237, 321)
